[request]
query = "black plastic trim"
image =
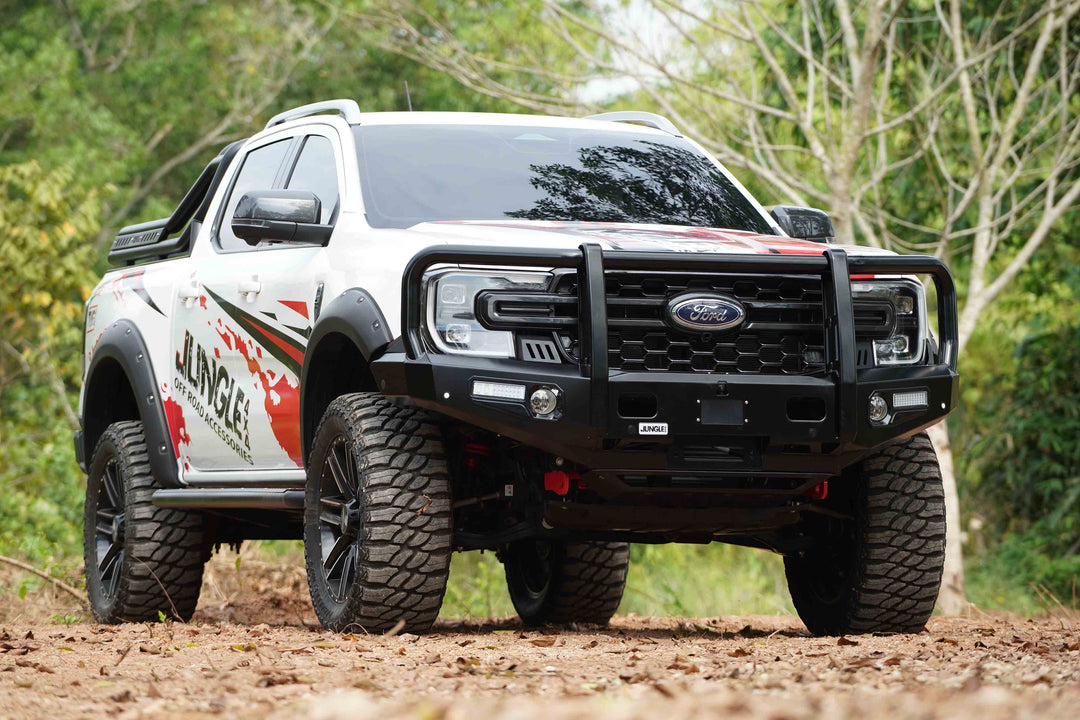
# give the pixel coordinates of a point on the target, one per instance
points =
(80, 451)
(354, 314)
(798, 221)
(123, 343)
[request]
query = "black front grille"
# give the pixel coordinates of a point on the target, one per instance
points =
(783, 332)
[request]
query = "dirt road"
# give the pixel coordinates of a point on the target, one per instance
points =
(757, 667)
(254, 652)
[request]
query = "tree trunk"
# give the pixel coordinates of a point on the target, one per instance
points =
(951, 600)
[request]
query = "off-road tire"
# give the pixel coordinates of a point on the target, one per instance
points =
(583, 582)
(884, 574)
(161, 566)
(403, 524)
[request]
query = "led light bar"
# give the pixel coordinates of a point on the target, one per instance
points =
(498, 391)
(910, 399)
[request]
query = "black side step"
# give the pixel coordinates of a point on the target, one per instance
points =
(230, 498)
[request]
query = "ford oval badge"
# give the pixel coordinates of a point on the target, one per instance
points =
(706, 313)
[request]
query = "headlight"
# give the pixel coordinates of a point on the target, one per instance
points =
(451, 309)
(891, 315)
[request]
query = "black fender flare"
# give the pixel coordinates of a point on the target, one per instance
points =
(354, 314)
(123, 343)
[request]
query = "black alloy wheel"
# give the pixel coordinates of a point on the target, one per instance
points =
(142, 562)
(339, 519)
(377, 530)
(110, 528)
(530, 571)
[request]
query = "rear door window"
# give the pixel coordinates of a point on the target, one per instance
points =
(316, 170)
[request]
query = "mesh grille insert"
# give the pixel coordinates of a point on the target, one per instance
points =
(783, 332)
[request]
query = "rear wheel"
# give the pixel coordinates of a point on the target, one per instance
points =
(142, 562)
(883, 573)
(377, 516)
(556, 582)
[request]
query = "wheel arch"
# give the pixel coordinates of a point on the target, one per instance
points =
(348, 334)
(120, 385)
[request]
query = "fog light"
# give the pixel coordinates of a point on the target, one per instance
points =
(543, 401)
(910, 399)
(879, 409)
(498, 391)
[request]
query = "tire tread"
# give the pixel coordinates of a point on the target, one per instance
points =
(900, 547)
(165, 546)
(405, 551)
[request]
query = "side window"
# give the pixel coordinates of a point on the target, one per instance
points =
(257, 173)
(315, 171)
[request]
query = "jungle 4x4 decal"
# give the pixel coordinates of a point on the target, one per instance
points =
(215, 396)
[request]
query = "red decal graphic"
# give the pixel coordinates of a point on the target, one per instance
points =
(202, 301)
(226, 338)
(631, 234)
(288, 349)
(298, 306)
(282, 401)
(175, 416)
(217, 353)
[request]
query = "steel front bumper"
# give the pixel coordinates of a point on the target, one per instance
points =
(715, 423)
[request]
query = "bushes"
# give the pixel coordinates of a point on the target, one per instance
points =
(1024, 470)
(46, 223)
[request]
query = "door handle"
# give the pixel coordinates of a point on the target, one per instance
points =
(249, 288)
(188, 294)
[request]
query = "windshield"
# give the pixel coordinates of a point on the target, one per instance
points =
(422, 173)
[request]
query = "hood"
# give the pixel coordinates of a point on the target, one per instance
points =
(624, 236)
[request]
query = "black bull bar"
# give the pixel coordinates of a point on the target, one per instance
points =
(833, 266)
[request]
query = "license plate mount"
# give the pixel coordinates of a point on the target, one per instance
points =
(723, 411)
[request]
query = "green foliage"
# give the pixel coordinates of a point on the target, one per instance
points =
(1020, 432)
(477, 587)
(1026, 468)
(705, 580)
(65, 619)
(690, 580)
(45, 219)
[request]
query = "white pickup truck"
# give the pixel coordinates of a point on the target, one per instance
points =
(397, 335)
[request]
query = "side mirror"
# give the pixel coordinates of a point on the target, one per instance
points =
(280, 216)
(806, 223)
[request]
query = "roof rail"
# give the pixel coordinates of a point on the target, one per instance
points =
(344, 107)
(645, 118)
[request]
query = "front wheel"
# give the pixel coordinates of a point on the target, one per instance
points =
(883, 573)
(377, 531)
(142, 562)
(558, 582)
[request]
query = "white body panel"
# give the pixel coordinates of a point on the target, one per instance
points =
(230, 388)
